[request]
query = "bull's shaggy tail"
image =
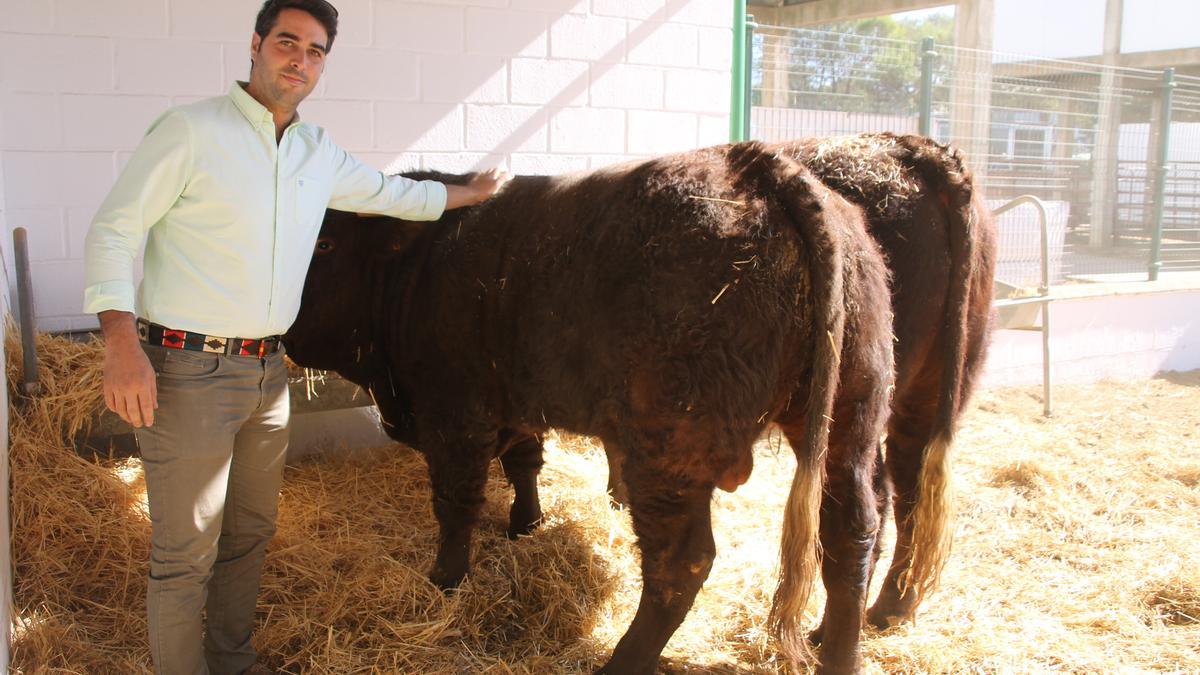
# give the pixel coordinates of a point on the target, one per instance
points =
(943, 172)
(800, 195)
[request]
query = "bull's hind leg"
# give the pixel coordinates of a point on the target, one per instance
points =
(849, 532)
(908, 433)
(522, 462)
(882, 487)
(671, 517)
(458, 476)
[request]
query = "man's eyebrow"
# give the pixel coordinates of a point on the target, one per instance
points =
(284, 35)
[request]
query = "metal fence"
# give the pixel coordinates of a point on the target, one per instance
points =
(1113, 152)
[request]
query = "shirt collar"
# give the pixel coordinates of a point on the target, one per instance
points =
(255, 112)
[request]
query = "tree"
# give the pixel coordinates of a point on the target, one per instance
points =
(868, 65)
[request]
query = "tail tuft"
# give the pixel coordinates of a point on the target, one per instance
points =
(933, 522)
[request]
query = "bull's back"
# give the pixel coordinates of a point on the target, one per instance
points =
(671, 279)
(911, 212)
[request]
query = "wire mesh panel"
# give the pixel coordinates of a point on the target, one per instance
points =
(1080, 136)
(1181, 201)
(809, 82)
(1057, 130)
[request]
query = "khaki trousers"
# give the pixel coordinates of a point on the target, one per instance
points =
(213, 461)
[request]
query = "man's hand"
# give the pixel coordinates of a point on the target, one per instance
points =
(489, 182)
(481, 187)
(130, 386)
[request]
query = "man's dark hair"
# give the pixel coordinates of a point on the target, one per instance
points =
(320, 10)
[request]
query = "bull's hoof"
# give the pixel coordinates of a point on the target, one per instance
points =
(885, 617)
(447, 581)
(520, 527)
(631, 657)
(614, 668)
(891, 608)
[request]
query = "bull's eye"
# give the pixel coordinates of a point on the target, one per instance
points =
(324, 246)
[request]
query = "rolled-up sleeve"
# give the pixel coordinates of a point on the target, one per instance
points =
(149, 185)
(363, 188)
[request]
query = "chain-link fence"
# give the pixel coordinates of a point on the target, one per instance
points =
(1086, 139)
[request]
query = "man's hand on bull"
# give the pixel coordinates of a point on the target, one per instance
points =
(480, 188)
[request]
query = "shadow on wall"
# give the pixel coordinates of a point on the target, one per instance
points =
(500, 118)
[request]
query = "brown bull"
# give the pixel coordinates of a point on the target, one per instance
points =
(938, 239)
(674, 308)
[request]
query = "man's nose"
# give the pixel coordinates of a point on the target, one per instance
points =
(302, 62)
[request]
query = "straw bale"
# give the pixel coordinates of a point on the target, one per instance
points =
(80, 530)
(1077, 550)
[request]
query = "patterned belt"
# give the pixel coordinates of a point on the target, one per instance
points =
(155, 334)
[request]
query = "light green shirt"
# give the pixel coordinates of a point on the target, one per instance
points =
(231, 217)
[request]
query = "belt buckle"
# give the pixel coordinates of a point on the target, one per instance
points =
(262, 347)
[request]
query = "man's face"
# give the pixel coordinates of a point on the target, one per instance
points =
(289, 61)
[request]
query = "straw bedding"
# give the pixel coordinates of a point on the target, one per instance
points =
(1078, 550)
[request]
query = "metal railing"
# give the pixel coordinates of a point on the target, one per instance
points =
(1041, 298)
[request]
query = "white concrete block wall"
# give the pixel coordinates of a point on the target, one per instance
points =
(543, 86)
(6, 600)
(1116, 337)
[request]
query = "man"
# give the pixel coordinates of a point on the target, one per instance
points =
(229, 194)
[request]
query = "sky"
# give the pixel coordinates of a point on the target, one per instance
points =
(1069, 28)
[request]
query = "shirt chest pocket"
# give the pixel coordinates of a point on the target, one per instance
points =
(311, 199)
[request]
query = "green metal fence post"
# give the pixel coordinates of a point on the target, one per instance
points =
(1160, 172)
(748, 83)
(927, 56)
(737, 102)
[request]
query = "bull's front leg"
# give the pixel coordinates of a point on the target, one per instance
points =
(522, 462)
(458, 473)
